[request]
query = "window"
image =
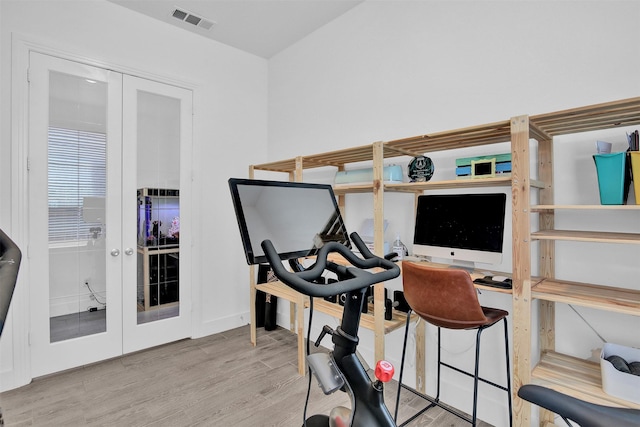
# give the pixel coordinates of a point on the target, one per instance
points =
(77, 171)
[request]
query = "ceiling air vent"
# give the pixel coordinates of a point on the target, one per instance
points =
(192, 19)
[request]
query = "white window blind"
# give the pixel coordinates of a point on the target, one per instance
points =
(77, 169)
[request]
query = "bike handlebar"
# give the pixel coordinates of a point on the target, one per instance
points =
(584, 413)
(360, 278)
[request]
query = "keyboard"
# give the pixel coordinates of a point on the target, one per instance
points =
(487, 281)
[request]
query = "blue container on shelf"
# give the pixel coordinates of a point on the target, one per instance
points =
(613, 177)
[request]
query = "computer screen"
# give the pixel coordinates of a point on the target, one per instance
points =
(298, 218)
(465, 228)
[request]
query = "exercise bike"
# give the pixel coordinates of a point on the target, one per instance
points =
(10, 256)
(583, 413)
(368, 407)
(300, 219)
(342, 368)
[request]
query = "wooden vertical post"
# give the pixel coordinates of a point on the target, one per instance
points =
(342, 199)
(521, 228)
(252, 288)
(546, 219)
(547, 247)
(296, 309)
(421, 360)
(378, 239)
(297, 173)
(421, 338)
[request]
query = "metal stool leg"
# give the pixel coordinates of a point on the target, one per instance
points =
(506, 353)
(476, 375)
(404, 351)
(438, 369)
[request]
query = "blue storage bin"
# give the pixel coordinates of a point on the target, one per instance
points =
(613, 177)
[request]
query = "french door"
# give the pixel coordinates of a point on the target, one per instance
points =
(157, 118)
(96, 138)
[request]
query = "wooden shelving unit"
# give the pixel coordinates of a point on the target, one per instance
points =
(519, 131)
(299, 302)
(158, 281)
(577, 377)
(561, 372)
(601, 297)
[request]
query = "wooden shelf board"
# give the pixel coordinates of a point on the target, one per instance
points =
(366, 320)
(491, 133)
(352, 189)
(492, 289)
(338, 158)
(587, 236)
(614, 114)
(475, 274)
(281, 290)
(608, 298)
(417, 187)
(593, 117)
(156, 250)
(287, 165)
(537, 208)
(413, 187)
(576, 377)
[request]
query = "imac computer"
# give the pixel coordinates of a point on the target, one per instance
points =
(461, 228)
(298, 218)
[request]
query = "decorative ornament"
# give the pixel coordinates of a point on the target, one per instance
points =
(174, 231)
(420, 169)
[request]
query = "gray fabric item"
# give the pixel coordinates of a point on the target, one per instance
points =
(10, 257)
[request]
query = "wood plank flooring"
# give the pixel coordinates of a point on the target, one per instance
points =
(220, 380)
(77, 325)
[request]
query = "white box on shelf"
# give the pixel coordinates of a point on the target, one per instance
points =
(366, 234)
(390, 174)
(616, 383)
(370, 246)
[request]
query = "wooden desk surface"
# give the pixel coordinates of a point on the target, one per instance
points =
(474, 275)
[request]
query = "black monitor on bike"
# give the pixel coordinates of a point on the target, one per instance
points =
(298, 218)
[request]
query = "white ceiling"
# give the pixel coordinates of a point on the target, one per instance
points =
(261, 27)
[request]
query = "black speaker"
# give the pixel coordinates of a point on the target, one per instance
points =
(270, 312)
(388, 309)
(266, 305)
(331, 298)
(400, 303)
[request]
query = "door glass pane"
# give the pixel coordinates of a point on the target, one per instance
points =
(158, 171)
(77, 172)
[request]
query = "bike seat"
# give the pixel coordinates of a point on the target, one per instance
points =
(584, 413)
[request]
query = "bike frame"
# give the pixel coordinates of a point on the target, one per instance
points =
(367, 397)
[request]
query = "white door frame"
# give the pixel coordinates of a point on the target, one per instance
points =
(48, 357)
(16, 372)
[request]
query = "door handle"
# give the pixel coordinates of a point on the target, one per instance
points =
(128, 251)
(115, 252)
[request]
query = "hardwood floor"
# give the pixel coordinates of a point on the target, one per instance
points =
(94, 322)
(77, 325)
(220, 380)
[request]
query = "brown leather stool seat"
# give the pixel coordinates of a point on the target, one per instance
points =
(447, 298)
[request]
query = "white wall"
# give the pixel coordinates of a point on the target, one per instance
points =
(384, 70)
(393, 69)
(229, 133)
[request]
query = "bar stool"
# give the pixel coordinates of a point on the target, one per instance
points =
(446, 298)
